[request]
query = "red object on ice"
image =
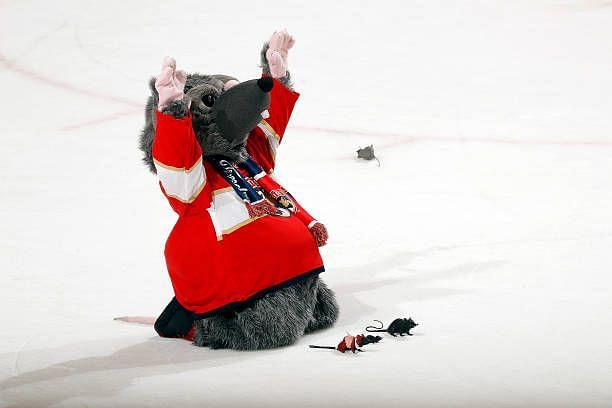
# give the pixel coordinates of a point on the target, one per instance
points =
(190, 334)
(351, 343)
(348, 343)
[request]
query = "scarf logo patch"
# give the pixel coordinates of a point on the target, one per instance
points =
(248, 188)
(283, 200)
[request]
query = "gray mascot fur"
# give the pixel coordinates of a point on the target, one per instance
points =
(283, 316)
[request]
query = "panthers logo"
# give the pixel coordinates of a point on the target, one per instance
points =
(286, 202)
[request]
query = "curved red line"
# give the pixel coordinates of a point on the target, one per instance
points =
(66, 86)
(406, 138)
(97, 121)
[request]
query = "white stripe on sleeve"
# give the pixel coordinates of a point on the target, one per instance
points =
(273, 138)
(180, 183)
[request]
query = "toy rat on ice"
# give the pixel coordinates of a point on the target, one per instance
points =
(243, 256)
(399, 326)
(351, 343)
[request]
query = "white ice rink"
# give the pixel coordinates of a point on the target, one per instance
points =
(489, 220)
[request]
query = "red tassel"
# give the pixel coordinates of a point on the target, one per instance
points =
(319, 232)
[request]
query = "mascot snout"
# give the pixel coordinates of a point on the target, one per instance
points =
(240, 108)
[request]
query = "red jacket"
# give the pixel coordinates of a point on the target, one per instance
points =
(217, 256)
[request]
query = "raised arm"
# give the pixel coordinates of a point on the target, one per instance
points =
(176, 153)
(265, 139)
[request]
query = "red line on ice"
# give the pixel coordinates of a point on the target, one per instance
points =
(11, 66)
(412, 139)
(100, 120)
(66, 86)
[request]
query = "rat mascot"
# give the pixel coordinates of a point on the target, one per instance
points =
(243, 256)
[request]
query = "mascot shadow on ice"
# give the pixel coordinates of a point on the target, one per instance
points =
(243, 256)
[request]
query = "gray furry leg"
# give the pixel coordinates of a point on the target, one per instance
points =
(326, 309)
(218, 333)
(276, 320)
(279, 319)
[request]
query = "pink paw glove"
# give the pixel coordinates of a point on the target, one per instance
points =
(170, 83)
(277, 54)
(319, 232)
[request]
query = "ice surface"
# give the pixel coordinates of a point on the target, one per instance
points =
(488, 220)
